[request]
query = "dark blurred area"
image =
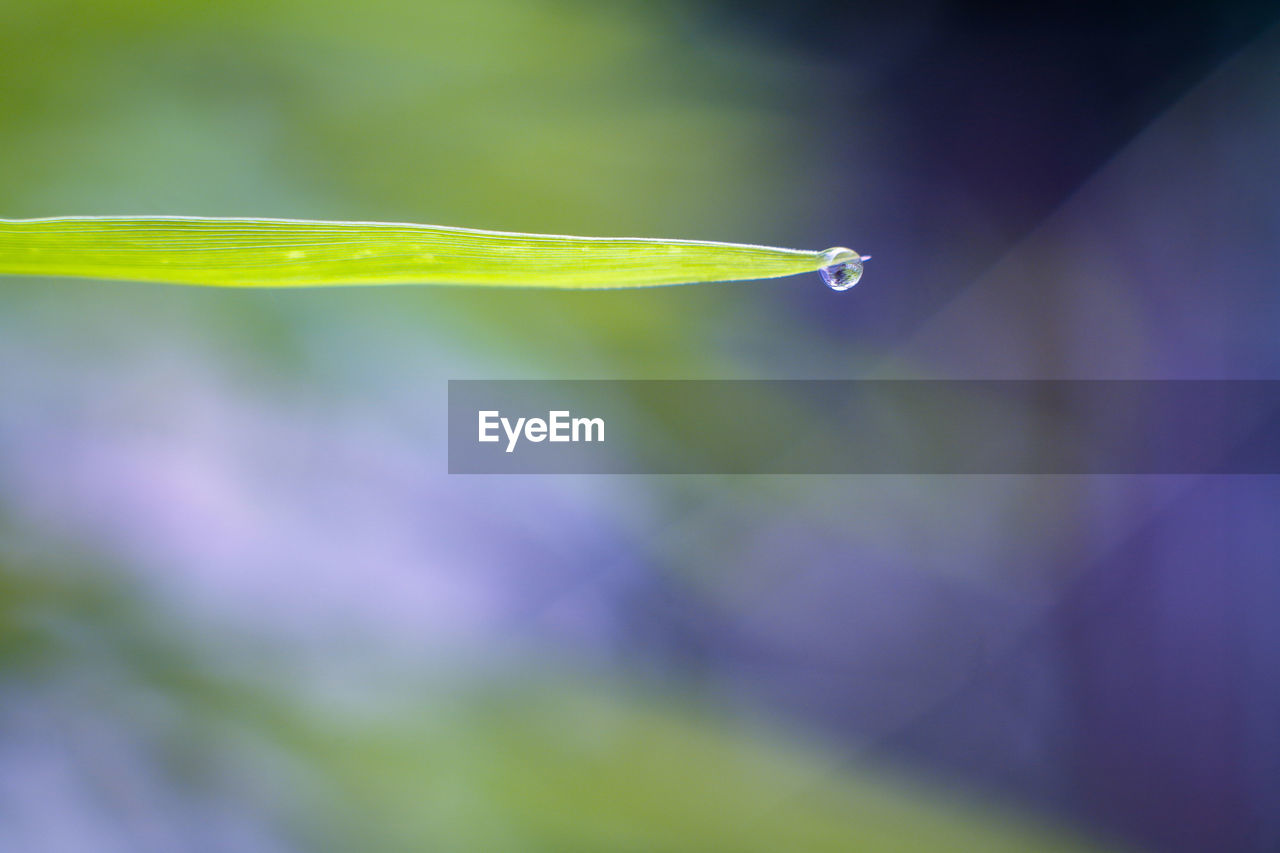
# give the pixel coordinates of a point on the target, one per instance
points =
(244, 608)
(991, 113)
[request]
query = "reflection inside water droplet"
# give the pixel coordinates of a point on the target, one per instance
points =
(842, 267)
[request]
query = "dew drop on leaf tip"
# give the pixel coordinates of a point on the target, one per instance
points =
(842, 267)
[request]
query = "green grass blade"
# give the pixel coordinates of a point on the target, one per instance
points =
(301, 253)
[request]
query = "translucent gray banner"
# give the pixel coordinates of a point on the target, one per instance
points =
(864, 427)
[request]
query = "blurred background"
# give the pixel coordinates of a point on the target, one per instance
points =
(244, 608)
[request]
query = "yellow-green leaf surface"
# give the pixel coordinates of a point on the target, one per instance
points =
(302, 253)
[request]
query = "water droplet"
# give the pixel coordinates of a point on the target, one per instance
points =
(842, 267)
